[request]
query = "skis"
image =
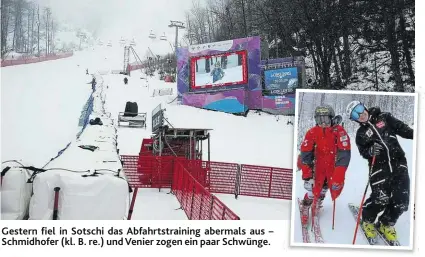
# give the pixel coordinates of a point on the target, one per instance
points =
(316, 228)
(305, 226)
(372, 241)
(355, 211)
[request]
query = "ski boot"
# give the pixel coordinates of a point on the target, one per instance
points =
(388, 232)
(369, 231)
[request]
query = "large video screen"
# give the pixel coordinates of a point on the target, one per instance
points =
(281, 81)
(211, 71)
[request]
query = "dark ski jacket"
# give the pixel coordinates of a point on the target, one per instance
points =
(217, 74)
(382, 128)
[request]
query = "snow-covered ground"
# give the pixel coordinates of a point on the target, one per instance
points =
(41, 105)
(251, 208)
(355, 183)
(234, 74)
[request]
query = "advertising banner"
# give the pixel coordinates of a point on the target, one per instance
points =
(280, 81)
(157, 118)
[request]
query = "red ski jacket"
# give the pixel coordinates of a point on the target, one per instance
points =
(325, 155)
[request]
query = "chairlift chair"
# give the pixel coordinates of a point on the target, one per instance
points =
(152, 35)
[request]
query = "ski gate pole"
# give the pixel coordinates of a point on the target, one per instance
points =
(55, 206)
(361, 204)
(133, 200)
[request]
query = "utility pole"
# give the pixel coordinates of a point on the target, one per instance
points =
(244, 19)
(178, 25)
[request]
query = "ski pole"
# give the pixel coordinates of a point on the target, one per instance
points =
(361, 204)
(333, 216)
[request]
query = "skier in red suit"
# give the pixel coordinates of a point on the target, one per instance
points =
(325, 156)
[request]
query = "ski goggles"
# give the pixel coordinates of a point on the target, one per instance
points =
(323, 119)
(355, 113)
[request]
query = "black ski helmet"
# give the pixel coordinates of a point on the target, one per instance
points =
(323, 111)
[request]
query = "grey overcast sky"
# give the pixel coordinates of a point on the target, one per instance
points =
(113, 19)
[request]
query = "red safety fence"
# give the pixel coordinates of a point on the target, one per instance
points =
(281, 184)
(28, 60)
(157, 171)
(194, 181)
(223, 177)
(196, 201)
(216, 177)
(132, 67)
(149, 171)
(129, 165)
(261, 181)
(247, 180)
(198, 170)
(254, 180)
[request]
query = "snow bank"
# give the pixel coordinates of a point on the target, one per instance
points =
(80, 198)
(15, 193)
(88, 173)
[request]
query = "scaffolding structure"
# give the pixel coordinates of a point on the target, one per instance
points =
(127, 50)
(182, 142)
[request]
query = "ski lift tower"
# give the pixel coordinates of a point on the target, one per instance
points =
(169, 61)
(178, 25)
(126, 59)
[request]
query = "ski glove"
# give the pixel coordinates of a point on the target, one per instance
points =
(308, 184)
(376, 149)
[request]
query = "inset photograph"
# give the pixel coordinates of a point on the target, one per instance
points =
(354, 169)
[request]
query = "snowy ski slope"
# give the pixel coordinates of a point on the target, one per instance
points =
(40, 112)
